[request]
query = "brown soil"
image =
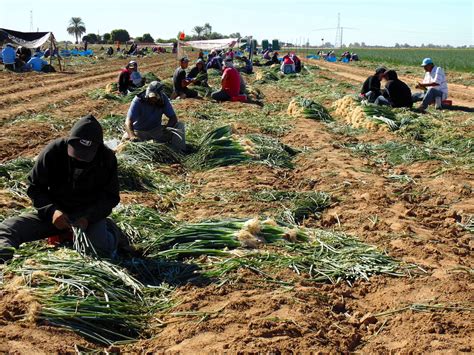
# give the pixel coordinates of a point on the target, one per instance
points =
(414, 222)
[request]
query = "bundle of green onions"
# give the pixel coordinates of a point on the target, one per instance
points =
(135, 177)
(142, 224)
(214, 237)
(314, 110)
(92, 297)
(271, 151)
(381, 114)
(13, 175)
(149, 152)
(149, 77)
(113, 125)
(217, 148)
(297, 205)
(325, 257)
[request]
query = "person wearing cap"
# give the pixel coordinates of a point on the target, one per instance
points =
(371, 87)
(144, 119)
(198, 74)
(287, 65)
(181, 82)
(230, 83)
(9, 57)
(74, 183)
(36, 63)
(396, 92)
(125, 79)
(434, 85)
(248, 68)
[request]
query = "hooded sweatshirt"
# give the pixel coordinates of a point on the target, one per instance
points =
(396, 91)
(59, 182)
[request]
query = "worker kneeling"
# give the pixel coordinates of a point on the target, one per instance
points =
(144, 119)
(74, 183)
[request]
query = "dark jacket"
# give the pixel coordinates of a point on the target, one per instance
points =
(124, 81)
(57, 181)
(372, 83)
(396, 91)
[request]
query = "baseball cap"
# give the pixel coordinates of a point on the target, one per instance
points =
(426, 61)
(380, 70)
(132, 63)
(82, 149)
(199, 61)
(85, 139)
(184, 59)
(154, 89)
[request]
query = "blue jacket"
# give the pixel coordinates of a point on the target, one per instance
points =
(9, 55)
(37, 63)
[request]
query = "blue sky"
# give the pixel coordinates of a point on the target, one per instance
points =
(373, 22)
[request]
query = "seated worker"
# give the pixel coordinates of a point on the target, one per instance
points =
(273, 60)
(371, 87)
(9, 57)
(214, 62)
(74, 183)
(135, 76)
(110, 51)
(297, 61)
(230, 83)
(23, 54)
(248, 68)
(125, 83)
(180, 83)
(144, 119)
(287, 65)
(36, 63)
(396, 92)
(198, 74)
(435, 85)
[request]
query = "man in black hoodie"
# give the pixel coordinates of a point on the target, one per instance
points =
(74, 182)
(396, 92)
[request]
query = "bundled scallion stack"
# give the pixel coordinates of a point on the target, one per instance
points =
(214, 237)
(307, 108)
(367, 116)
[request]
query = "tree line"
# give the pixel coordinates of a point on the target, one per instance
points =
(77, 28)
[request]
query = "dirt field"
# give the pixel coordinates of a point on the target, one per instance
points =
(415, 221)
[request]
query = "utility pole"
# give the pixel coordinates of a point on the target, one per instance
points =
(31, 21)
(338, 31)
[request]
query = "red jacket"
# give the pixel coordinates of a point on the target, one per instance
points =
(231, 81)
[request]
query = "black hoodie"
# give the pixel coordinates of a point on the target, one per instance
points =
(396, 91)
(59, 182)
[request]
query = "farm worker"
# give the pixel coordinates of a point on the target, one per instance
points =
(248, 68)
(214, 62)
(297, 62)
(74, 182)
(36, 63)
(144, 119)
(135, 76)
(287, 65)
(23, 54)
(180, 82)
(371, 87)
(125, 83)
(435, 85)
(396, 92)
(274, 60)
(199, 73)
(230, 83)
(9, 56)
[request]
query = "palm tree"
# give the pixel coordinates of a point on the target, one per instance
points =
(198, 30)
(207, 29)
(76, 28)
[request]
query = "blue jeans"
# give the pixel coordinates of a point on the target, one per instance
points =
(29, 227)
(382, 101)
(427, 97)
